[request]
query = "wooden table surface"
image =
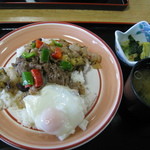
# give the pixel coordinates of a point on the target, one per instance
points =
(137, 10)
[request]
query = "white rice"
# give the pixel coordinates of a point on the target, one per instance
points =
(47, 41)
(13, 75)
(77, 76)
(22, 116)
(83, 124)
(20, 50)
(8, 100)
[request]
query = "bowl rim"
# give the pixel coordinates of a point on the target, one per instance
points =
(118, 101)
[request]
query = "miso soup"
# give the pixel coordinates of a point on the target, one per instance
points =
(141, 83)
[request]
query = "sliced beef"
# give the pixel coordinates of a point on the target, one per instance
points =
(56, 75)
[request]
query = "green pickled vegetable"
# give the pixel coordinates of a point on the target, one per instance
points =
(134, 45)
(146, 50)
(135, 48)
(132, 49)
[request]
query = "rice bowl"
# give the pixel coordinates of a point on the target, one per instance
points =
(97, 121)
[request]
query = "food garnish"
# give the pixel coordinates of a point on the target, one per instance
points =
(135, 50)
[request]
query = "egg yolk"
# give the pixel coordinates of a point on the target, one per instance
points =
(52, 120)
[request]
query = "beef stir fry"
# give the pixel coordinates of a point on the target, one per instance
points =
(43, 63)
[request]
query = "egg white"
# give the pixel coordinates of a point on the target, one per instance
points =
(57, 110)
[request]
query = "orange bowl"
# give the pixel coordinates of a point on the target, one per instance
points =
(107, 82)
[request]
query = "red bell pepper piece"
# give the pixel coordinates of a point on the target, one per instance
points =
(57, 53)
(38, 43)
(38, 80)
(27, 86)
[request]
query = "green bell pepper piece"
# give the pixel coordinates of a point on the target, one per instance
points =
(28, 55)
(33, 44)
(27, 78)
(65, 65)
(57, 43)
(44, 57)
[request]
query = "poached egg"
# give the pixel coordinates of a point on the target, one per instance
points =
(57, 110)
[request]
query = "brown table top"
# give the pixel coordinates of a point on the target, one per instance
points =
(136, 11)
